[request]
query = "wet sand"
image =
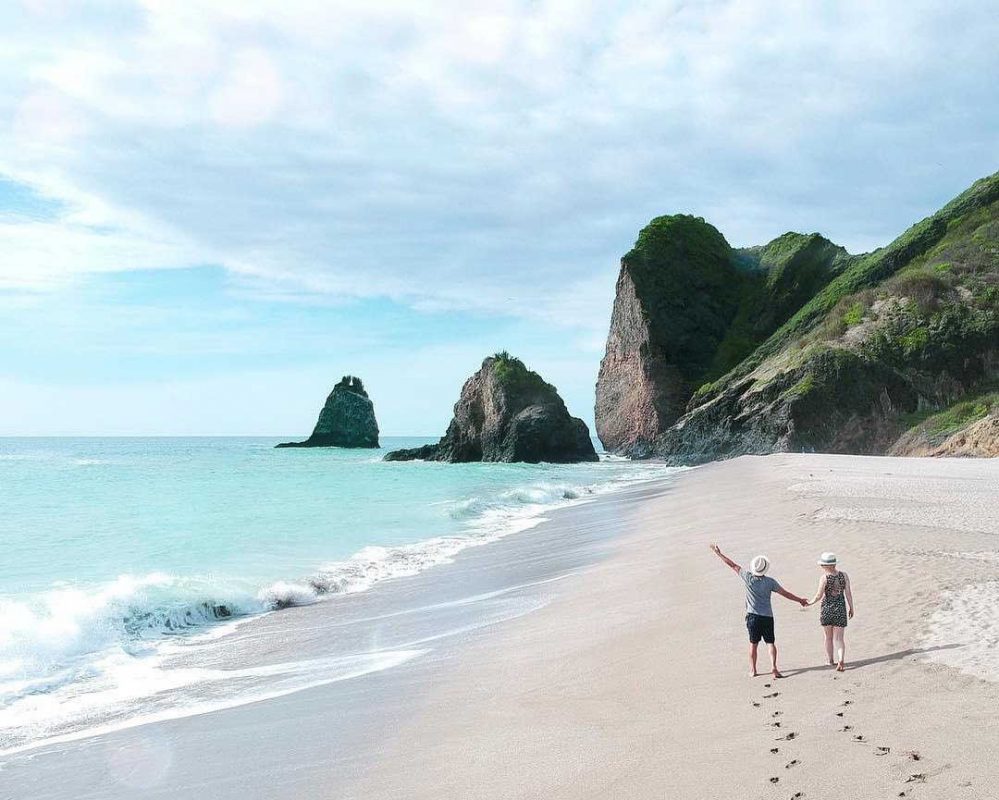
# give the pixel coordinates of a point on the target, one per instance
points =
(603, 655)
(369, 662)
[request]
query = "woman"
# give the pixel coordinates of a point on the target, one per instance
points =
(837, 608)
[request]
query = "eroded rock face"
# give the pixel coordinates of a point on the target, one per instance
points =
(639, 394)
(346, 420)
(969, 428)
(825, 351)
(676, 296)
(978, 440)
(829, 400)
(508, 413)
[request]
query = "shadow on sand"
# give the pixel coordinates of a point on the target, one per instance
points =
(866, 662)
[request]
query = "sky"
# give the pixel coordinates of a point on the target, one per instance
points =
(210, 211)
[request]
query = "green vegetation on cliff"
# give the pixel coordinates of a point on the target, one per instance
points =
(937, 426)
(782, 276)
(513, 374)
(942, 233)
(912, 326)
(819, 349)
(685, 270)
(708, 305)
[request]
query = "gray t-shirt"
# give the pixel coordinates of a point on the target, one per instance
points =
(758, 591)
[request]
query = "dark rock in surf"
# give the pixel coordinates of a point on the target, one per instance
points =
(347, 419)
(506, 412)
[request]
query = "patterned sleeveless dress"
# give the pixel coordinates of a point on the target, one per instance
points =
(833, 611)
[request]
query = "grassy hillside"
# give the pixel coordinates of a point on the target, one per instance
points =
(910, 327)
(964, 229)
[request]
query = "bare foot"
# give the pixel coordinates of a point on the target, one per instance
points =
(777, 674)
(841, 667)
(754, 674)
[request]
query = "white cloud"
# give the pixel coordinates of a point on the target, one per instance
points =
(250, 92)
(499, 160)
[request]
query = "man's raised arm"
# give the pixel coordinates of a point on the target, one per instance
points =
(728, 561)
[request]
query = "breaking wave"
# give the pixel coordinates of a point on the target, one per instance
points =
(71, 633)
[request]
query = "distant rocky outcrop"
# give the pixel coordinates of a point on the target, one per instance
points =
(347, 419)
(506, 412)
(799, 346)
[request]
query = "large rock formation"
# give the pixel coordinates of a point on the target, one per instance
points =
(688, 307)
(824, 351)
(347, 419)
(676, 296)
(506, 412)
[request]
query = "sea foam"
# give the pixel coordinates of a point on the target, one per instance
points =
(100, 647)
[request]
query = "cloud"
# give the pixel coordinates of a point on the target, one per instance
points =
(496, 158)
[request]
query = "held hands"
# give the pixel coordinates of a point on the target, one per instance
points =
(804, 602)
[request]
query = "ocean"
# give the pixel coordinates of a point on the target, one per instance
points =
(127, 564)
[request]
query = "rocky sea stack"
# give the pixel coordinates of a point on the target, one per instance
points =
(506, 412)
(347, 419)
(799, 346)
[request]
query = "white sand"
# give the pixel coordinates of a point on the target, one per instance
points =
(632, 682)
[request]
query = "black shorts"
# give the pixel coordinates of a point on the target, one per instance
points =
(760, 627)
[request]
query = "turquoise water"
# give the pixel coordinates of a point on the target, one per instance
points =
(112, 547)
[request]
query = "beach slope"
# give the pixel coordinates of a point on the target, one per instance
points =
(633, 682)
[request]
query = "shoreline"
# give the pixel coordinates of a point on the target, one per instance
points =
(622, 674)
(162, 614)
(634, 683)
(430, 616)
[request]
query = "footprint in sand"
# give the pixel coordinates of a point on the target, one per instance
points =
(756, 705)
(882, 751)
(775, 724)
(775, 750)
(792, 763)
(913, 755)
(847, 703)
(838, 713)
(859, 738)
(776, 713)
(797, 795)
(788, 738)
(847, 728)
(771, 695)
(774, 779)
(916, 777)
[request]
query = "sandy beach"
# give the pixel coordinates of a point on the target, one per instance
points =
(607, 658)
(634, 683)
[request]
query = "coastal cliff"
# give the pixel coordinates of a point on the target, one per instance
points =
(799, 346)
(347, 419)
(676, 296)
(507, 412)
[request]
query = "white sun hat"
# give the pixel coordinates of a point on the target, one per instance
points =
(827, 559)
(759, 565)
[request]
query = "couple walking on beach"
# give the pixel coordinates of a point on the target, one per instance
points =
(833, 590)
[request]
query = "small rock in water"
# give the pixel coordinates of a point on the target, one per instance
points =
(346, 420)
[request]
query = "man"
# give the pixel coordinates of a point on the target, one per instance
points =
(759, 611)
